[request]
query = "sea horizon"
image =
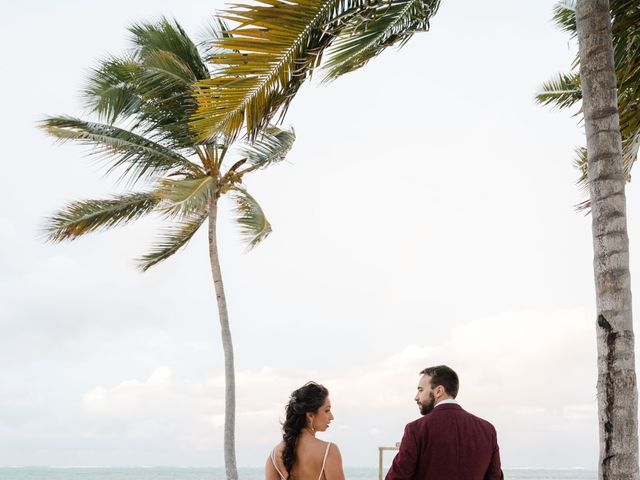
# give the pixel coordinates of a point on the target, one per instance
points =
(147, 472)
(256, 466)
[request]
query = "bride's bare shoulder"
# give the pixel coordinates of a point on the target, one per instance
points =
(324, 444)
(334, 451)
(274, 465)
(333, 467)
(279, 448)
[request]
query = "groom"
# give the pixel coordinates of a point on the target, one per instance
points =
(447, 443)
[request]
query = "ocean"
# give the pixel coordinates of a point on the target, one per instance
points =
(192, 473)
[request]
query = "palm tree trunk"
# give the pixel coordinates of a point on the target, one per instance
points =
(617, 390)
(227, 346)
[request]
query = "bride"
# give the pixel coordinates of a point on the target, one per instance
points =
(300, 455)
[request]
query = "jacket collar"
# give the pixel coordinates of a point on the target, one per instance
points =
(446, 406)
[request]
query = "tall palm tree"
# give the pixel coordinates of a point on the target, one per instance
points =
(617, 390)
(609, 110)
(276, 45)
(143, 102)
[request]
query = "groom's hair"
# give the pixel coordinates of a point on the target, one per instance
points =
(444, 376)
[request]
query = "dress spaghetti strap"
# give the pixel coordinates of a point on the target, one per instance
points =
(273, 460)
(324, 460)
(282, 477)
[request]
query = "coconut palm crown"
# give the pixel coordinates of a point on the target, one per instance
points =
(143, 102)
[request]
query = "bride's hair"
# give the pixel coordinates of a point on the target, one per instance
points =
(308, 398)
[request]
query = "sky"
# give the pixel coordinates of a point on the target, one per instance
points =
(424, 216)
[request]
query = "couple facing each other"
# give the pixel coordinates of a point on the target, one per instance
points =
(446, 443)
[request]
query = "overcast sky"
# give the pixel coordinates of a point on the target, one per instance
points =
(424, 216)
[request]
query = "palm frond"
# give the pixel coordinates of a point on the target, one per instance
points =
(564, 16)
(110, 91)
(141, 158)
(561, 91)
(264, 61)
(254, 226)
(187, 196)
(580, 162)
(165, 86)
(626, 42)
(374, 28)
(270, 147)
(630, 148)
(629, 155)
(163, 65)
(79, 218)
(168, 36)
(583, 206)
(173, 240)
(153, 84)
(165, 72)
(626, 21)
(170, 64)
(217, 29)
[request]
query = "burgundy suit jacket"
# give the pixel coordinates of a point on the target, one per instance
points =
(448, 444)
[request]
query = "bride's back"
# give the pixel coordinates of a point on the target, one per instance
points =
(311, 455)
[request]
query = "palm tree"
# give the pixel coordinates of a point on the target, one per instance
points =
(608, 158)
(617, 390)
(275, 47)
(148, 93)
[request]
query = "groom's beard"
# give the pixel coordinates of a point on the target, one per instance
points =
(427, 407)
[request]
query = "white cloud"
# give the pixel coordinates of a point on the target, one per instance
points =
(524, 371)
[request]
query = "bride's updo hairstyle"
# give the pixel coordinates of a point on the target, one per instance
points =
(308, 398)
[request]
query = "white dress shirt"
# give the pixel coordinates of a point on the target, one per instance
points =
(445, 401)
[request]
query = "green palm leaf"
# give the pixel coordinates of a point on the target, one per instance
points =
(270, 147)
(254, 226)
(153, 84)
(79, 218)
(564, 15)
(186, 196)
(216, 29)
(375, 28)
(165, 84)
(630, 149)
(140, 157)
(170, 64)
(168, 36)
(264, 61)
(166, 72)
(626, 41)
(581, 164)
(561, 92)
(111, 89)
(629, 156)
(173, 240)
